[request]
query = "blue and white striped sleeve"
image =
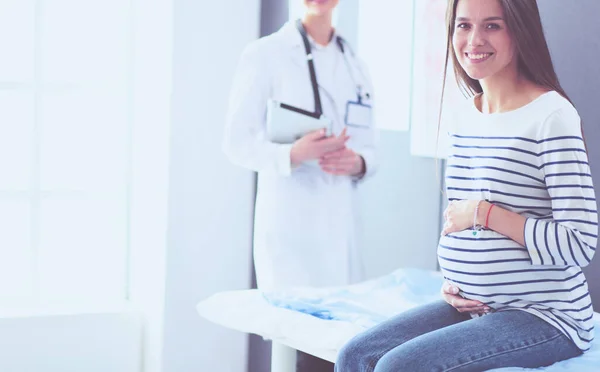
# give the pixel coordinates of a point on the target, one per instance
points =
(570, 236)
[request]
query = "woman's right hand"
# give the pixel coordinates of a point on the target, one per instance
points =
(450, 295)
(316, 144)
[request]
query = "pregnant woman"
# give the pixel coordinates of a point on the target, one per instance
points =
(521, 220)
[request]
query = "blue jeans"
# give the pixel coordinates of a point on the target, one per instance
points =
(436, 337)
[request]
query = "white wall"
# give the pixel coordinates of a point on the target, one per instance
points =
(98, 342)
(210, 201)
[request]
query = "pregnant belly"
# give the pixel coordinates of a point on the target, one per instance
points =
(484, 264)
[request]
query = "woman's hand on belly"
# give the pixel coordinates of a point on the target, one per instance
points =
(450, 295)
(459, 216)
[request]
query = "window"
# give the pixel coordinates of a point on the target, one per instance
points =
(65, 151)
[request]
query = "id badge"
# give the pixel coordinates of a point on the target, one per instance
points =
(358, 115)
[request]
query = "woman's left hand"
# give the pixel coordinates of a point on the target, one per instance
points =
(459, 216)
(451, 296)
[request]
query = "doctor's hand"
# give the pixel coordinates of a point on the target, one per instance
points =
(459, 216)
(342, 162)
(451, 296)
(316, 144)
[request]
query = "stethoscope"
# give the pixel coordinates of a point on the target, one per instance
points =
(340, 42)
(309, 57)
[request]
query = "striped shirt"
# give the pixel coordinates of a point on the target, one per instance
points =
(530, 161)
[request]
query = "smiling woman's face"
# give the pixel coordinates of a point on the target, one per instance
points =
(481, 39)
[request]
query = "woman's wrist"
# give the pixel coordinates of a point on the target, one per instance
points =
(482, 213)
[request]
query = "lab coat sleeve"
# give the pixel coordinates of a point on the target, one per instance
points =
(244, 141)
(368, 150)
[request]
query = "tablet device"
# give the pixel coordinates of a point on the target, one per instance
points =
(286, 123)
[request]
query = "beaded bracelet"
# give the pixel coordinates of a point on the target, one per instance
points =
(476, 227)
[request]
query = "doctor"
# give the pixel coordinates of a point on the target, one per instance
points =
(305, 215)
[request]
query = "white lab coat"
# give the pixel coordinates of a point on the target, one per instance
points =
(305, 220)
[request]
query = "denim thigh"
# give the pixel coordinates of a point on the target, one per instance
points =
(511, 338)
(362, 353)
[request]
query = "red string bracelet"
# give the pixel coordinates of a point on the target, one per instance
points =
(487, 218)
